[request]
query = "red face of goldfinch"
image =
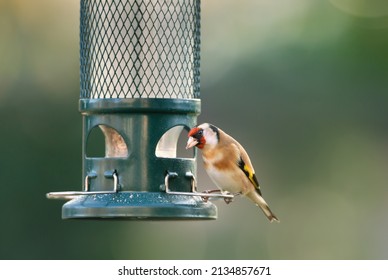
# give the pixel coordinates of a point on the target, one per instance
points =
(196, 138)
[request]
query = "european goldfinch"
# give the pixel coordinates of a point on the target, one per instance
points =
(227, 164)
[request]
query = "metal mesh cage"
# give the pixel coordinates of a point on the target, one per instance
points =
(140, 48)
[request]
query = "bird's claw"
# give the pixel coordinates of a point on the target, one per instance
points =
(228, 200)
(206, 198)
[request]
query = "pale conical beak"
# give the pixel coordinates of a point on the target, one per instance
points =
(191, 142)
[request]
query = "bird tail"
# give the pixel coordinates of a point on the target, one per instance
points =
(259, 201)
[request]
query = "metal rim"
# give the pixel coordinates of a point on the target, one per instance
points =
(135, 105)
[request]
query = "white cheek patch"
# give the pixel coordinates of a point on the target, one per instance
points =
(211, 137)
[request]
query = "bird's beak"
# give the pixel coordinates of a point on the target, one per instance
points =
(191, 142)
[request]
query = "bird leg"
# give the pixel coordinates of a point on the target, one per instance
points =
(212, 191)
(206, 198)
(226, 199)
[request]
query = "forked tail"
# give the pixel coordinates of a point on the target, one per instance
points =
(259, 201)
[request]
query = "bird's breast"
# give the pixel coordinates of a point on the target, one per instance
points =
(224, 179)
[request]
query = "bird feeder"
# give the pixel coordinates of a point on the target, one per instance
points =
(140, 86)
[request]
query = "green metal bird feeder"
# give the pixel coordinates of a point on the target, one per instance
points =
(140, 86)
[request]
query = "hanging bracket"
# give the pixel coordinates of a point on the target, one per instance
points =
(72, 194)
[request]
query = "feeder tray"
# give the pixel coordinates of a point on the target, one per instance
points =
(166, 204)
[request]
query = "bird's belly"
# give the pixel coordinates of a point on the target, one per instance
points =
(225, 181)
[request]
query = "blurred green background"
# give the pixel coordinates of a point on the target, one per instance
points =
(301, 84)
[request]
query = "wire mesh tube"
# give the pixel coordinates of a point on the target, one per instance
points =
(140, 49)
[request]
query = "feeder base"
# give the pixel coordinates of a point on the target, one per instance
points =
(139, 206)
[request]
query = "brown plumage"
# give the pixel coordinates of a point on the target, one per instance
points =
(228, 164)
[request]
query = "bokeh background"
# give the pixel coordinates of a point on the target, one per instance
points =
(301, 84)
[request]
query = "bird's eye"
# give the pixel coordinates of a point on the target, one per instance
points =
(200, 133)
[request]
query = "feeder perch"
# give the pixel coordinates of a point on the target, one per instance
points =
(140, 86)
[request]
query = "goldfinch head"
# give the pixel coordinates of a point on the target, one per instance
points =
(204, 135)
